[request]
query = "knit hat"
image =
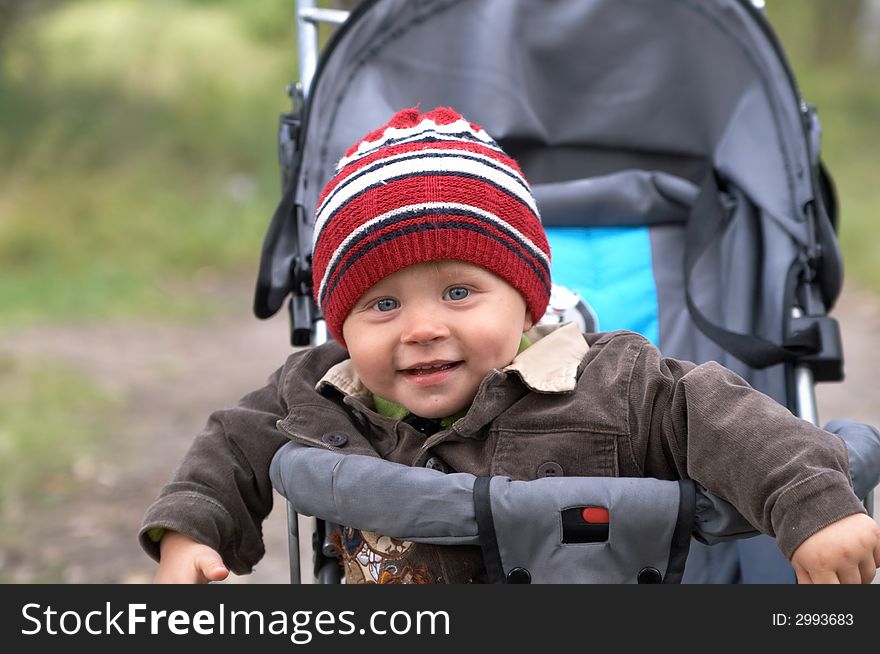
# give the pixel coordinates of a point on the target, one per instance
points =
(425, 187)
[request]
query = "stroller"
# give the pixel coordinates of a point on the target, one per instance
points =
(644, 127)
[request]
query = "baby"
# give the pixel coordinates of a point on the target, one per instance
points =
(431, 268)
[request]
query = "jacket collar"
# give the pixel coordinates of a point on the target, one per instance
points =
(343, 378)
(549, 365)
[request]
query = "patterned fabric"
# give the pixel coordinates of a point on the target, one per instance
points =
(425, 187)
(368, 558)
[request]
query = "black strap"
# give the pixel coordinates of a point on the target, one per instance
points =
(830, 273)
(706, 224)
(681, 536)
(278, 244)
(486, 528)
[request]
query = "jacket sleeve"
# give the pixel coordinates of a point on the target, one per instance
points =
(220, 493)
(786, 476)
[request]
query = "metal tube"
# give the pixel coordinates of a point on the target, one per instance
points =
(306, 43)
(805, 394)
(307, 19)
(293, 544)
(805, 387)
(329, 16)
(319, 332)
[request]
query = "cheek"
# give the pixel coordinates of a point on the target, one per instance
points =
(372, 363)
(497, 347)
(364, 361)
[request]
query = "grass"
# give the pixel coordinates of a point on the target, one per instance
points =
(843, 88)
(137, 147)
(52, 420)
(137, 168)
(69, 408)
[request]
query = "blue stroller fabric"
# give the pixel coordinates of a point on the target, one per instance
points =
(611, 267)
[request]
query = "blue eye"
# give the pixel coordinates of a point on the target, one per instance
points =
(386, 304)
(457, 293)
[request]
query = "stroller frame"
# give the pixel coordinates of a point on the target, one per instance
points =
(821, 362)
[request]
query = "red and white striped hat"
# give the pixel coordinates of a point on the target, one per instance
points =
(425, 187)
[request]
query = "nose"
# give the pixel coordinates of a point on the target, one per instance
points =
(423, 326)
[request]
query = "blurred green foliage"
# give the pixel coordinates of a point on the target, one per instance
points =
(137, 146)
(137, 149)
(62, 437)
(54, 420)
(821, 39)
(137, 170)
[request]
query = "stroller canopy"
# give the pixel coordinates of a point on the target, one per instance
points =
(576, 89)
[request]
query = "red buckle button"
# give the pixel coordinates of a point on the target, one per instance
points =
(595, 515)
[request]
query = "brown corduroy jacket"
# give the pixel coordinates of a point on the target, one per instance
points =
(601, 405)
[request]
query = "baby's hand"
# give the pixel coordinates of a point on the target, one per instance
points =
(844, 552)
(185, 561)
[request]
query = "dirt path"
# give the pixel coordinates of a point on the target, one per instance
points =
(169, 378)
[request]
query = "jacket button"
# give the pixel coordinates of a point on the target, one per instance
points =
(436, 463)
(519, 576)
(334, 438)
(649, 575)
(550, 469)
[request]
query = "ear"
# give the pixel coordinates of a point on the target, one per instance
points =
(528, 321)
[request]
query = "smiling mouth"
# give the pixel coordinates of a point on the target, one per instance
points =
(420, 371)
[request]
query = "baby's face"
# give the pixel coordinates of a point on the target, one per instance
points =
(426, 336)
